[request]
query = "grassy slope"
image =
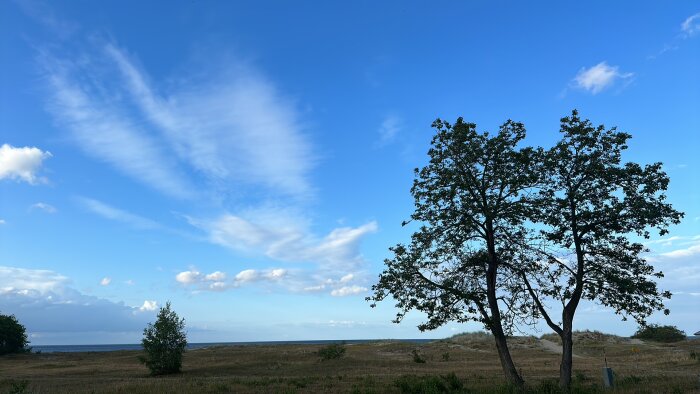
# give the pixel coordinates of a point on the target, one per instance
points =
(373, 367)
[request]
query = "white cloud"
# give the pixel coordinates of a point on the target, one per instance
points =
(116, 214)
(248, 275)
(216, 281)
(348, 290)
(105, 281)
(284, 237)
(277, 273)
(129, 282)
(599, 77)
(347, 278)
(44, 207)
(692, 250)
(388, 130)
(22, 279)
(148, 306)
(45, 303)
(233, 128)
(691, 25)
(85, 104)
(188, 277)
(22, 164)
(2, 221)
(216, 276)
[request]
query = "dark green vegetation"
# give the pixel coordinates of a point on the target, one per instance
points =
(164, 343)
(332, 351)
(379, 367)
(502, 229)
(13, 336)
(657, 333)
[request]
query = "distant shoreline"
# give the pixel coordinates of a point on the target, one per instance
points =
(203, 345)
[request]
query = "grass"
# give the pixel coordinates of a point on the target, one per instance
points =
(378, 367)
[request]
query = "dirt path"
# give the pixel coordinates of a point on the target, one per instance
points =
(553, 347)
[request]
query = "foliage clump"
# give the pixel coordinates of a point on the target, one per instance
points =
(13, 336)
(657, 333)
(332, 352)
(449, 383)
(164, 343)
(417, 358)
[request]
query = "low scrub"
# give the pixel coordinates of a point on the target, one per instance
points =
(417, 358)
(332, 352)
(429, 384)
(656, 333)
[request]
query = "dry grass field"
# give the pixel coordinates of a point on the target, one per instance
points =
(466, 363)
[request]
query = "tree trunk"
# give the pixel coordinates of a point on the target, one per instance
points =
(567, 346)
(495, 325)
(507, 364)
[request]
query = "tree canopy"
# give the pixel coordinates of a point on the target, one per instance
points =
(470, 201)
(164, 342)
(13, 335)
(503, 230)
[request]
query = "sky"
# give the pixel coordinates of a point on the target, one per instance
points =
(251, 161)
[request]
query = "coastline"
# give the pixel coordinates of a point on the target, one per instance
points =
(205, 345)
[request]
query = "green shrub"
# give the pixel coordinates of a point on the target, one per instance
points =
(430, 384)
(13, 336)
(417, 358)
(332, 351)
(446, 356)
(164, 343)
(656, 333)
(19, 387)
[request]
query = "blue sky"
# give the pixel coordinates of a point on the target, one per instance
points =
(251, 161)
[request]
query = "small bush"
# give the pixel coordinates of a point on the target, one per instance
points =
(656, 333)
(446, 356)
(13, 336)
(411, 384)
(417, 358)
(332, 352)
(18, 387)
(164, 343)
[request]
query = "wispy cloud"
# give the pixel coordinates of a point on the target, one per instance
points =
(232, 130)
(22, 164)
(599, 77)
(105, 281)
(284, 237)
(692, 250)
(388, 130)
(42, 206)
(688, 29)
(116, 214)
(348, 290)
(104, 128)
(691, 25)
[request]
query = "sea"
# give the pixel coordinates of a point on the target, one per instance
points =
(192, 346)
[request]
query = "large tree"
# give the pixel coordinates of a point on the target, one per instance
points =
(471, 201)
(13, 336)
(591, 208)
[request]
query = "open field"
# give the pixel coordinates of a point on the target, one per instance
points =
(377, 367)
